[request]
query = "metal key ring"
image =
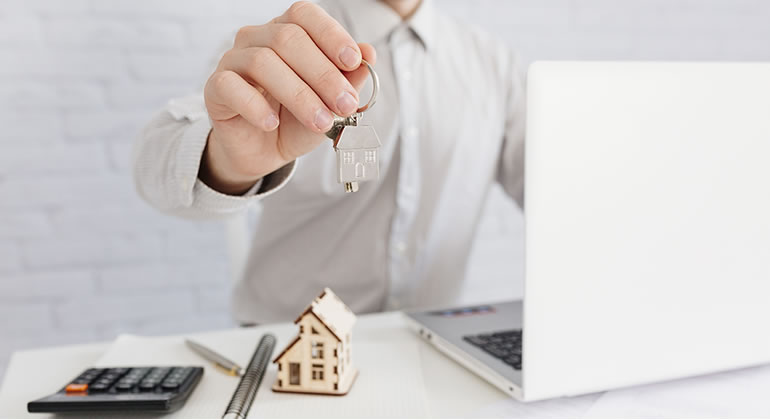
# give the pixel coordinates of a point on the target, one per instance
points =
(375, 87)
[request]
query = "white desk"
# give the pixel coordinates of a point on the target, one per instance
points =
(450, 390)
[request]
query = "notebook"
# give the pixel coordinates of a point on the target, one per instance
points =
(387, 368)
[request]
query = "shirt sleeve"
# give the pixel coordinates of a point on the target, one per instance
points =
(167, 157)
(510, 172)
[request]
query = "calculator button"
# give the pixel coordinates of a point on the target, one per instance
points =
(130, 378)
(97, 387)
(125, 386)
(179, 374)
(76, 388)
(156, 375)
(106, 381)
(134, 377)
(148, 386)
(169, 385)
(138, 372)
(88, 376)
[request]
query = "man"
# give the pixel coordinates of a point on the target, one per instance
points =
(450, 116)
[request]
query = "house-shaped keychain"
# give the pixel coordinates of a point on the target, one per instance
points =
(357, 148)
(318, 360)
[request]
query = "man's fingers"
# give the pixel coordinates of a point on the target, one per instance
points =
(264, 67)
(326, 32)
(295, 47)
(358, 77)
(228, 89)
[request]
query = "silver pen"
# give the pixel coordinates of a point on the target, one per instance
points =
(226, 365)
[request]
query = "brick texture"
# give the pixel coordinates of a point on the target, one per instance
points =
(82, 258)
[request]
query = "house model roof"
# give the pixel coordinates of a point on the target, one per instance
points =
(348, 140)
(332, 312)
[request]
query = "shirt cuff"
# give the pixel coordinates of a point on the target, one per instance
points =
(210, 200)
(199, 195)
(188, 157)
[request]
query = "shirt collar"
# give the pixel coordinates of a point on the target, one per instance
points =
(422, 23)
(373, 21)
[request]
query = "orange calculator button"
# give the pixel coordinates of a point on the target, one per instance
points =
(72, 388)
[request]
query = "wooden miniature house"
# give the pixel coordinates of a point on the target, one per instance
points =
(319, 359)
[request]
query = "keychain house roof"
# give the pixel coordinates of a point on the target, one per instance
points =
(318, 360)
(353, 142)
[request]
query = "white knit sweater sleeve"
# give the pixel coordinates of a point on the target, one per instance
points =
(167, 157)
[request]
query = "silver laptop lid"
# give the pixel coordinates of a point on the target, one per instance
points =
(647, 223)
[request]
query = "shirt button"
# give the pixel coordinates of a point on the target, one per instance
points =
(411, 132)
(400, 247)
(407, 76)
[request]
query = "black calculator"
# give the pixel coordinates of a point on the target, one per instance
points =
(156, 389)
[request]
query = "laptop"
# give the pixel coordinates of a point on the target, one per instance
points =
(647, 220)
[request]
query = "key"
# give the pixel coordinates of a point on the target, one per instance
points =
(356, 145)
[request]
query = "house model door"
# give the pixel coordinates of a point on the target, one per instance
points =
(294, 373)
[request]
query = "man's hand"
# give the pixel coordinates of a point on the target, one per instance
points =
(272, 95)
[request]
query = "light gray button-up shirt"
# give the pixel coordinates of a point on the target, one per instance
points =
(450, 116)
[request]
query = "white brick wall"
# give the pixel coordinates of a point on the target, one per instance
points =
(82, 258)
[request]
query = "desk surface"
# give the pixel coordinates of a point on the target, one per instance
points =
(450, 390)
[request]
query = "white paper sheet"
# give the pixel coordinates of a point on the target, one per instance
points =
(742, 393)
(215, 388)
(389, 384)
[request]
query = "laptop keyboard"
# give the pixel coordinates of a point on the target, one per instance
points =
(504, 345)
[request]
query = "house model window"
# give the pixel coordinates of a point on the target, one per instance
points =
(370, 156)
(318, 372)
(316, 350)
(304, 366)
